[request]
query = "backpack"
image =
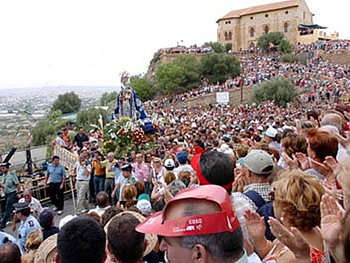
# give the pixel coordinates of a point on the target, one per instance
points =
(265, 209)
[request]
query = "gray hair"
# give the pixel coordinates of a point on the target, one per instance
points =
(176, 186)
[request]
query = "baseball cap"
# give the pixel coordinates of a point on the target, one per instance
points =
(259, 162)
(126, 167)
(144, 197)
(181, 157)
(211, 223)
(169, 163)
(271, 132)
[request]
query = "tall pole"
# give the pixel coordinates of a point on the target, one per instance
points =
(242, 81)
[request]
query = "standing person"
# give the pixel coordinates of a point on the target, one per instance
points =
(127, 178)
(28, 224)
(80, 137)
(82, 176)
(99, 172)
(142, 171)
(11, 187)
(56, 177)
(110, 176)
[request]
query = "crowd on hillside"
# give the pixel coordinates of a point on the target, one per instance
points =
(225, 183)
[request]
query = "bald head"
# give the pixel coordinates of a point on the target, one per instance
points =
(333, 119)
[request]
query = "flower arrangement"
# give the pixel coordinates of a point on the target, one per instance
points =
(125, 136)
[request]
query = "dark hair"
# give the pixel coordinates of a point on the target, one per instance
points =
(109, 213)
(126, 244)
(55, 157)
(102, 199)
(217, 168)
(81, 240)
(45, 219)
(10, 253)
(25, 211)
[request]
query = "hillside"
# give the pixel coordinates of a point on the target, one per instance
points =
(335, 58)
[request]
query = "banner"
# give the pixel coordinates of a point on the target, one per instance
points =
(222, 97)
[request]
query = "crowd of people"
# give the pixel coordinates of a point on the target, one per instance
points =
(244, 183)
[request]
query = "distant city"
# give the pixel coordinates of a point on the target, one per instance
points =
(21, 108)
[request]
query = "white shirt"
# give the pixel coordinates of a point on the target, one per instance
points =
(81, 172)
(35, 206)
(98, 210)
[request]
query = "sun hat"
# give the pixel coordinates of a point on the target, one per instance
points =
(211, 223)
(259, 162)
(47, 251)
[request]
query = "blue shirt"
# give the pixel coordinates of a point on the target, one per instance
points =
(27, 226)
(4, 238)
(117, 173)
(56, 173)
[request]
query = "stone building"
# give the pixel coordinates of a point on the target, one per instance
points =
(243, 27)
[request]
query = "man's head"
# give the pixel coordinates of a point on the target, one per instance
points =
(22, 210)
(139, 158)
(55, 160)
(27, 194)
(10, 253)
(5, 167)
(124, 242)
(81, 240)
(270, 134)
(102, 199)
(216, 168)
(81, 130)
(334, 119)
(46, 219)
(60, 133)
(110, 157)
(198, 224)
(257, 166)
(126, 170)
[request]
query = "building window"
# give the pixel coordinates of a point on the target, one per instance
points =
(266, 15)
(286, 12)
(228, 36)
(252, 45)
(227, 22)
(251, 32)
(251, 18)
(266, 29)
(285, 27)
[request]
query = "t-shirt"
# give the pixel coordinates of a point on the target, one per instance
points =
(55, 173)
(27, 226)
(10, 181)
(107, 164)
(81, 176)
(99, 170)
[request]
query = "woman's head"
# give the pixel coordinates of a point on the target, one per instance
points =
(293, 143)
(169, 177)
(129, 194)
(297, 199)
(321, 145)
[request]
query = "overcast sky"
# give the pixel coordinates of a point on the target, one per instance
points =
(54, 43)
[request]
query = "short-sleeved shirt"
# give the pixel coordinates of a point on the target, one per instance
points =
(55, 173)
(81, 176)
(10, 181)
(107, 164)
(27, 226)
(80, 139)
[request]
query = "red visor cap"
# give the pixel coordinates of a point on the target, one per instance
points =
(218, 222)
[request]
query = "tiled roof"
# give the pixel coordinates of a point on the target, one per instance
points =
(260, 8)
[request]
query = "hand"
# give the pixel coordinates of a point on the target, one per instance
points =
(325, 168)
(248, 246)
(292, 238)
(332, 215)
(238, 184)
(344, 141)
(255, 225)
(291, 162)
(61, 186)
(113, 194)
(303, 160)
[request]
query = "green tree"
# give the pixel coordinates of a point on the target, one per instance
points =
(45, 131)
(228, 47)
(142, 87)
(270, 41)
(217, 47)
(219, 67)
(106, 98)
(281, 91)
(179, 75)
(67, 103)
(285, 46)
(91, 116)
